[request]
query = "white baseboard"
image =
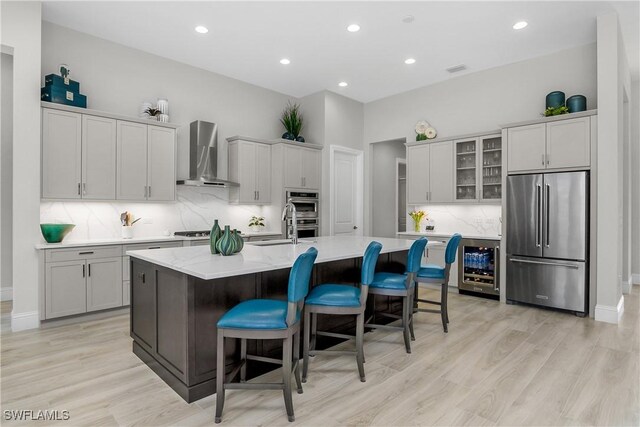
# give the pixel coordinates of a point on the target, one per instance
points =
(635, 278)
(626, 285)
(23, 321)
(6, 293)
(608, 313)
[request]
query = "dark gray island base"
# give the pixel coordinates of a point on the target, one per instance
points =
(174, 316)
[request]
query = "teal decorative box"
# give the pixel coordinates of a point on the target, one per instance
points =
(62, 96)
(62, 83)
(577, 103)
(555, 99)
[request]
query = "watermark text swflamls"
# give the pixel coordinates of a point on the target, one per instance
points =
(40, 415)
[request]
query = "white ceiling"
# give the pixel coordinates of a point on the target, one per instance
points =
(247, 40)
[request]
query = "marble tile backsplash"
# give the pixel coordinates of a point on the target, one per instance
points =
(471, 219)
(194, 209)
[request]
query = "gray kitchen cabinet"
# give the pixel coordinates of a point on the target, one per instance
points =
(104, 283)
(250, 166)
(478, 168)
(98, 158)
(132, 161)
(146, 162)
(418, 174)
(126, 293)
(430, 173)
(302, 167)
(161, 164)
(569, 143)
(561, 143)
(65, 288)
(61, 154)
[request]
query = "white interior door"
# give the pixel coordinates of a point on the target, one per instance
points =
(346, 192)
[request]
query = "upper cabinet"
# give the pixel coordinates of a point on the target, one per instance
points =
(302, 167)
(61, 154)
(479, 168)
(250, 166)
(94, 157)
(557, 144)
(430, 173)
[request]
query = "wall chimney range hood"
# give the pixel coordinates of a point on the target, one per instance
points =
(203, 157)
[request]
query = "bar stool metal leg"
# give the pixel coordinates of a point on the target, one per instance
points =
(296, 360)
(443, 306)
(286, 377)
(360, 345)
(243, 359)
(220, 377)
(405, 323)
(305, 345)
(410, 304)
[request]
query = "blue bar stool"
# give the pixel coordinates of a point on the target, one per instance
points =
(401, 285)
(267, 319)
(340, 299)
(439, 275)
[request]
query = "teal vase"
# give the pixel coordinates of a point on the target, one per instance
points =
(238, 239)
(215, 234)
(226, 244)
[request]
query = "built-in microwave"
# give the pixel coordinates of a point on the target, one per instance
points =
(306, 203)
(307, 227)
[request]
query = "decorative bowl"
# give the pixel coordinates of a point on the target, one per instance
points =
(54, 233)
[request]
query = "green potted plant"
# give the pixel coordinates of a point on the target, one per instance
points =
(292, 121)
(256, 223)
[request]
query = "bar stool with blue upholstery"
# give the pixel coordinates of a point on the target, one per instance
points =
(435, 274)
(400, 285)
(340, 299)
(267, 319)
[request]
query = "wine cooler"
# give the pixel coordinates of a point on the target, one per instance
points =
(479, 267)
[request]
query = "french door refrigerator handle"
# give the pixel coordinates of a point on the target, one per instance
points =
(496, 278)
(539, 215)
(548, 234)
(556, 264)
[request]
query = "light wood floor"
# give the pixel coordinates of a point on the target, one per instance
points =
(498, 365)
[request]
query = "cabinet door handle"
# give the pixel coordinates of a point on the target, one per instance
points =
(89, 270)
(83, 271)
(154, 247)
(84, 188)
(547, 160)
(141, 275)
(78, 189)
(149, 191)
(258, 195)
(86, 253)
(543, 160)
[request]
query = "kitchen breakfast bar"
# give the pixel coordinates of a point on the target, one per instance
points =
(178, 295)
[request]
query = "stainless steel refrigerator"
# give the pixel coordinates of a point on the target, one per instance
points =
(547, 240)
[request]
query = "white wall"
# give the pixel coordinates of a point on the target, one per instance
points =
(118, 79)
(21, 30)
(6, 169)
(613, 80)
(635, 180)
(383, 212)
(481, 101)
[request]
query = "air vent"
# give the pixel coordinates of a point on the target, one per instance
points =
(456, 68)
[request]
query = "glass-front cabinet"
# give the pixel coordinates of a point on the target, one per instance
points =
(478, 170)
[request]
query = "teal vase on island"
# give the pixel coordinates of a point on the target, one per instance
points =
(226, 244)
(216, 232)
(238, 239)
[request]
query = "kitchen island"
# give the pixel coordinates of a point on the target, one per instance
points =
(178, 295)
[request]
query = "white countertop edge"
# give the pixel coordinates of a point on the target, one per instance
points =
(250, 267)
(151, 239)
(446, 234)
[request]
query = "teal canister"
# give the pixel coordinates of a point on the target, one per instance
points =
(577, 103)
(238, 238)
(226, 244)
(215, 234)
(555, 99)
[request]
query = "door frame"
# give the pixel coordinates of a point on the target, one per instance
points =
(400, 161)
(333, 149)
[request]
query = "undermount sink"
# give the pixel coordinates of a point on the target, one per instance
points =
(280, 242)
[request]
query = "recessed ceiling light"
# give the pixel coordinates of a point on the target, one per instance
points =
(201, 29)
(353, 28)
(408, 19)
(343, 84)
(520, 25)
(409, 61)
(285, 61)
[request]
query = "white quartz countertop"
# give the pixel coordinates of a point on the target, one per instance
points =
(197, 261)
(445, 234)
(150, 239)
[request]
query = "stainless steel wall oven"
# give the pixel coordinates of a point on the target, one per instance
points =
(307, 205)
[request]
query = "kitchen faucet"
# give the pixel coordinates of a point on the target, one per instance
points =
(294, 220)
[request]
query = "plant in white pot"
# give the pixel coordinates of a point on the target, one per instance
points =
(256, 223)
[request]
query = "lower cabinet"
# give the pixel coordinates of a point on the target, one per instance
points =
(82, 285)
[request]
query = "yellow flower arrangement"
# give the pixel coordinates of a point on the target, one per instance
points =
(417, 217)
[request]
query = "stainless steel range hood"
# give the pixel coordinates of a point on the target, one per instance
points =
(203, 157)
